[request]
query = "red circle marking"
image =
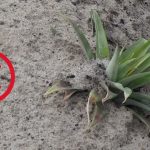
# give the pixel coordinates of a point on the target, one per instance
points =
(12, 77)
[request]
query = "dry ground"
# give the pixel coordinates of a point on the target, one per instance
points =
(43, 47)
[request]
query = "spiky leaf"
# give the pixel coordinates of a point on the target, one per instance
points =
(138, 49)
(132, 102)
(137, 63)
(140, 97)
(136, 80)
(86, 46)
(102, 50)
(112, 69)
(124, 68)
(145, 65)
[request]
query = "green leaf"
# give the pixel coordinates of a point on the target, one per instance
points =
(140, 117)
(137, 63)
(86, 46)
(142, 50)
(102, 50)
(127, 91)
(121, 51)
(138, 49)
(112, 69)
(143, 98)
(145, 65)
(131, 102)
(124, 68)
(136, 80)
(134, 66)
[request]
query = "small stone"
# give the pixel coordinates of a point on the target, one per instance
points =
(75, 2)
(2, 22)
(58, 0)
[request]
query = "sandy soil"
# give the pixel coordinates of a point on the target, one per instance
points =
(42, 48)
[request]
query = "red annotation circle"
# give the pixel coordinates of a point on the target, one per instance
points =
(12, 77)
